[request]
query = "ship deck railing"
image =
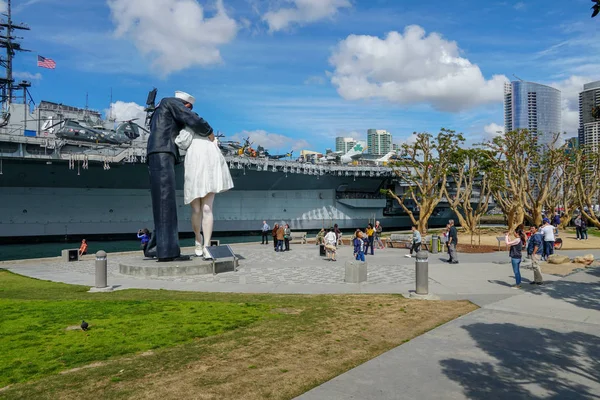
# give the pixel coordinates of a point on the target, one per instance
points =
(136, 152)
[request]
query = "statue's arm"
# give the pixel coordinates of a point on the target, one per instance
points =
(191, 120)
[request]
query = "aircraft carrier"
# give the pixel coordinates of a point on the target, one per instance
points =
(64, 174)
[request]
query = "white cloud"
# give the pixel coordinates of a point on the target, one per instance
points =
(570, 89)
(519, 6)
(303, 12)
(27, 76)
(122, 111)
(176, 34)
(492, 130)
(411, 68)
(3, 6)
(271, 141)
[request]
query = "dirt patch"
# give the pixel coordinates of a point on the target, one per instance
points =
(279, 358)
(92, 365)
(467, 248)
(292, 311)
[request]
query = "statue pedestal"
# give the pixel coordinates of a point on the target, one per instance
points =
(150, 268)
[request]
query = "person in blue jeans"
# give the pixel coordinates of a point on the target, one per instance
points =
(516, 253)
(359, 246)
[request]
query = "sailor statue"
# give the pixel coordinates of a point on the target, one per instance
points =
(171, 115)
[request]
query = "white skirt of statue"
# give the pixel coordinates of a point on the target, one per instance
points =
(206, 173)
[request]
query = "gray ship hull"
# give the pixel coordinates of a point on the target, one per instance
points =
(46, 198)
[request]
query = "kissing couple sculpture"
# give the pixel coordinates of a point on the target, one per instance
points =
(175, 126)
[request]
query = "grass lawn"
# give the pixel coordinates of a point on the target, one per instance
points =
(163, 344)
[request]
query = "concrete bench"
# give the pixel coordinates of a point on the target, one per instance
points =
(399, 240)
(500, 239)
(298, 237)
(70, 255)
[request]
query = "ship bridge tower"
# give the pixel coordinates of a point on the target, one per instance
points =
(10, 42)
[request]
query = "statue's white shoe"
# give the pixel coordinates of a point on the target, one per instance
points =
(206, 254)
(199, 250)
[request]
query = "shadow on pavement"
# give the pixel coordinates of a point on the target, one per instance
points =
(528, 363)
(582, 294)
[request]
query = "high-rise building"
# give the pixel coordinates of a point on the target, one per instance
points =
(534, 107)
(344, 144)
(379, 142)
(589, 115)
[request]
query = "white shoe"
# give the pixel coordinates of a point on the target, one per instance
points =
(407, 256)
(199, 249)
(206, 254)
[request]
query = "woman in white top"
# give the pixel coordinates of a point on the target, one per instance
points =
(330, 244)
(206, 173)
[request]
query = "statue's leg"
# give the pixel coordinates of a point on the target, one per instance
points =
(196, 206)
(207, 217)
(164, 204)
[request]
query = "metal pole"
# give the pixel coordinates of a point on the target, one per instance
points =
(101, 263)
(435, 243)
(422, 273)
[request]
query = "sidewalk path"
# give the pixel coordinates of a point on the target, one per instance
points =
(541, 344)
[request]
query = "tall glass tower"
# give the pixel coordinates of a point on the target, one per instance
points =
(534, 107)
(589, 115)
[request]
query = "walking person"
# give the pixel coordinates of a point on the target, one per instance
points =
(274, 234)
(556, 220)
(280, 237)
(144, 236)
(370, 239)
(452, 242)
(378, 231)
(359, 246)
(287, 233)
(548, 232)
(416, 242)
(584, 234)
(338, 235)
(516, 253)
(578, 227)
(330, 245)
(535, 249)
(265, 233)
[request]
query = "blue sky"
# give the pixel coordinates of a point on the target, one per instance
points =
(297, 73)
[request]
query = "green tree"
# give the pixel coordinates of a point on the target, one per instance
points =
(469, 171)
(522, 174)
(563, 192)
(595, 7)
(422, 170)
(587, 181)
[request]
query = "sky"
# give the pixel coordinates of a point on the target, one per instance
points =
(294, 74)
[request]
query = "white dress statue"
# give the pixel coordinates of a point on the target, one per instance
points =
(206, 173)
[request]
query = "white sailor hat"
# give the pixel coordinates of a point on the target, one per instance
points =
(188, 98)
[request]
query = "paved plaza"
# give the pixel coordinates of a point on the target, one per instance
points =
(539, 342)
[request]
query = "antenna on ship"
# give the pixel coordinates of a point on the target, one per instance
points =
(7, 40)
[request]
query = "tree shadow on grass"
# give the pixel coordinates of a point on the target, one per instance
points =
(528, 363)
(584, 293)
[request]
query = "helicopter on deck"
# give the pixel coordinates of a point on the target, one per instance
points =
(83, 131)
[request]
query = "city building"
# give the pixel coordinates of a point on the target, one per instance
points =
(534, 107)
(344, 144)
(379, 142)
(589, 115)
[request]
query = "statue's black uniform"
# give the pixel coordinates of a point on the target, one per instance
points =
(170, 117)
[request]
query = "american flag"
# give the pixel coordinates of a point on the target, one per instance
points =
(46, 62)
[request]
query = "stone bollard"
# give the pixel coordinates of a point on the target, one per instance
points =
(356, 272)
(435, 244)
(101, 265)
(422, 273)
